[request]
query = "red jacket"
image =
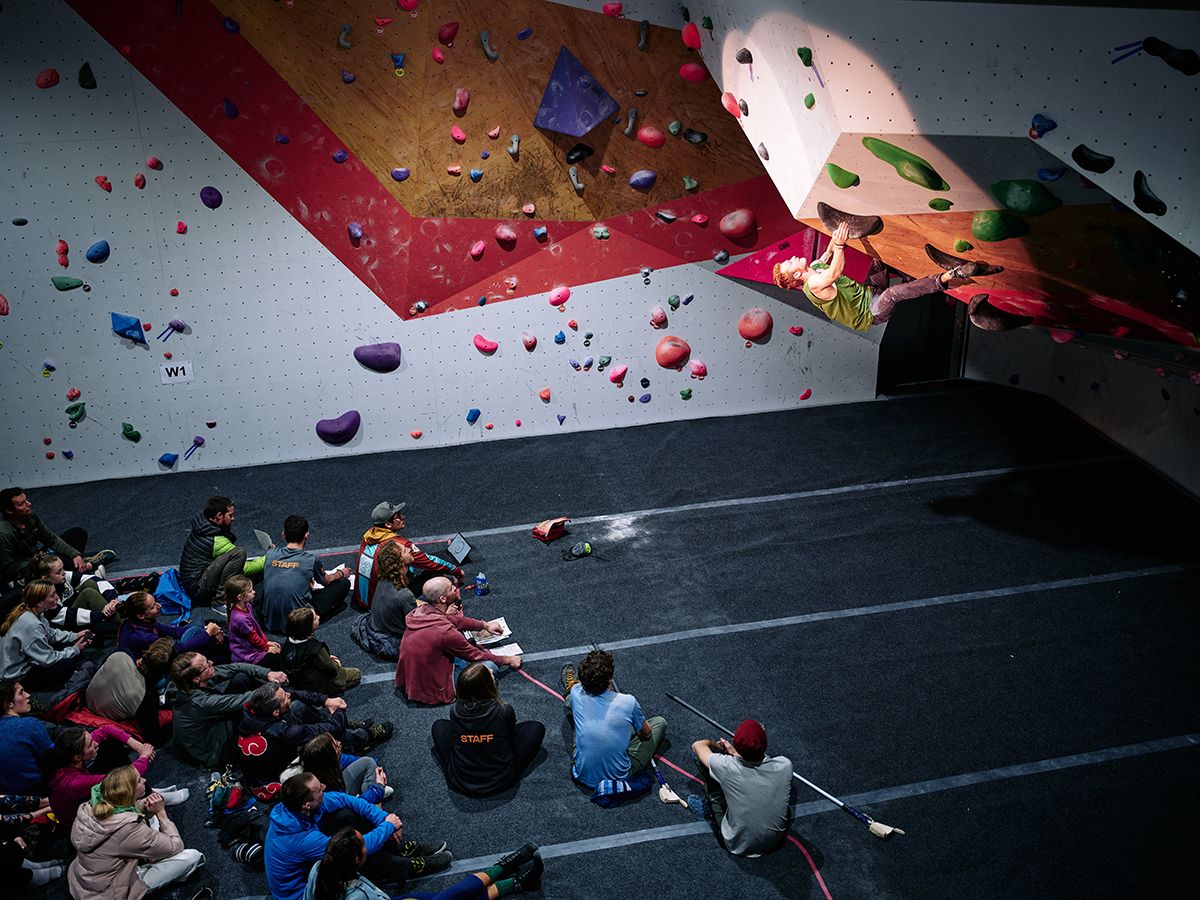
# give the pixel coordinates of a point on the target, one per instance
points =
(432, 639)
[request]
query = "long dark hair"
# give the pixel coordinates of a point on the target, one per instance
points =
(477, 686)
(68, 744)
(320, 758)
(339, 866)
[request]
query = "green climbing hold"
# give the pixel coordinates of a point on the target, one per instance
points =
(67, 282)
(706, 23)
(1025, 196)
(673, 301)
(76, 411)
(690, 183)
(996, 225)
(87, 80)
(676, 128)
(600, 232)
(841, 177)
(130, 433)
(605, 361)
(941, 204)
(686, 393)
(961, 246)
(809, 101)
(908, 166)
(805, 54)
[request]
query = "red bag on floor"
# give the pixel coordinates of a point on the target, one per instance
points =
(551, 529)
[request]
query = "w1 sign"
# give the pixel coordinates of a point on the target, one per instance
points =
(173, 373)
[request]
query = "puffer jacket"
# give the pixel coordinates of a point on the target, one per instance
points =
(198, 550)
(110, 850)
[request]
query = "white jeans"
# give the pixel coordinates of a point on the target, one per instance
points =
(173, 868)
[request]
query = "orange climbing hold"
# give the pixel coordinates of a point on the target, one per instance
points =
(754, 323)
(415, 435)
(672, 352)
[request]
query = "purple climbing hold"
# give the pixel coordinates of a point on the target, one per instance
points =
(282, 139)
(574, 102)
(230, 25)
(1040, 125)
(340, 155)
(230, 108)
(347, 77)
(383, 357)
(561, 419)
(210, 196)
(643, 179)
(355, 230)
(68, 454)
(645, 398)
(400, 174)
(484, 154)
(524, 34)
(340, 430)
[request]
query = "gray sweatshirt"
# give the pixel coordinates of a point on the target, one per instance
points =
(32, 641)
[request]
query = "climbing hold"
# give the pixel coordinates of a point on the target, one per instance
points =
(805, 54)
(20, 221)
(755, 323)
(561, 418)
(731, 105)
(181, 227)
(941, 204)
(98, 252)
(477, 249)
(458, 134)
(229, 108)
(73, 393)
(76, 411)
(860, 226)
(697, 369)
(384, 357)
(691, 36)
(643, 179)
(66, 282)
(473, 415)
(453, 170)
(996, 225)
(560, 338)
(600, 232)
(524, 34)
(695, 137)
(475, 175)
(153, 162)
(572, 324)
(573, 172)
(128, 327)
(699, 219)
(104, 184)
(690, 183)
(485, 40)
(210, 197)
(658, 317)
(587, 363)
(495, 133)
(348, 77)
(1051, 174)
(762, 151)
(462, 99)
(505, 233)
(544, 393)
(168, 460)
(843, 178)
(579, 152)
(1024, 196)
(340, 430)
(738, 224)
(483, 345)
(603, 363)
(49, 454)
(514, 146)
(693, 72)
(47, 78)
(87, 79)
(1062, 336)
(438, 56)
(1185, 61)
(398, 60)
(672, 352)
(1144, 198)
(483, 154)
(1091, 161)
(400, 174)
(685, 394)
(673, 301)
(446, 33)
(721, 257)
(416, 435)
(574, 365)
(643, 34)
(529, 209)
(946, 261)
(645, 398)
(617, 375)
(807, 393)
(230, 25)
(632, 117)
(744, 56)
(1040, 125)
(688, 299)
(651, 136)
(796, 329)
(745, 107)
(355, 231)
(676, 128)
(343, 37)
(139, 181)
(540, 232)
(607, 169)
(130, 433)
(908, 165)
(961, 246)
(665, 215)
(985, 316)
(560, 295)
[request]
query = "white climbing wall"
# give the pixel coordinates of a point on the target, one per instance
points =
(273, 317)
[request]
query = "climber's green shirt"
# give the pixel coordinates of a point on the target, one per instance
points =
(851, 307)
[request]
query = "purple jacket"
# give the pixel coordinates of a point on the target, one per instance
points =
(135, 636)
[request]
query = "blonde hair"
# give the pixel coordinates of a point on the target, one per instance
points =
(118, 789)
(35, 592)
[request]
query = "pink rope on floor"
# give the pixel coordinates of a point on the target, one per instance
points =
(683, 772)
(548, 690)
(812, 865)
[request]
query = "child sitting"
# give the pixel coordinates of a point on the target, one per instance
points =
(247, 640)
(307, 661)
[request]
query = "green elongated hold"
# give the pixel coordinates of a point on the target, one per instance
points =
(961, 246)
(690, 183)
(76, 411)
(805, 54)
(130, 433)
(1025, 196)
(843, 178)
(996, 225)
(809, 101)
(908, 165)
(673, 301)
(676, 128)
(87, 79)
(67, 282)
(706, 23)
(941, 204)
(686, 393)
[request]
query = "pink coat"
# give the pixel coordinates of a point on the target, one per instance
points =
(70, 787)
(110, 851)
(432, 639)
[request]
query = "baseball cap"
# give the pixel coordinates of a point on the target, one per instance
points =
(385, 510)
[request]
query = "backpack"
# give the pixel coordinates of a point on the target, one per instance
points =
(176, 604)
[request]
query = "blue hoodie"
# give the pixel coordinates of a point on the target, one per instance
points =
(295, 842)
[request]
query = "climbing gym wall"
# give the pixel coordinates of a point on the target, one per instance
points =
(199, 271)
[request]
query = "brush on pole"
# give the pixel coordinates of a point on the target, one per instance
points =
(876, 828)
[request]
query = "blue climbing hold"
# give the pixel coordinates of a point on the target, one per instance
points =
(1051, 174)
(128, 327)
(398, 60)
(643, 179)
(340, 156)
(524, 34)
(560, 338)
(482, 301)
(476, 174)
(645, 398)
(540, 232)
(400, 174)
(169, 460)
(282, 139)
(484, 155)
(473, 415)
(230, 25)
(230, 108)
(561, 419)
(574, 101)
(98, 252)
(688, 299)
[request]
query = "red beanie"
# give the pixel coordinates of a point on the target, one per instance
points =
(750, 740)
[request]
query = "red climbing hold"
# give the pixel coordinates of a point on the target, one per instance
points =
(754, 323)
(544, 393)
(167, 355)
(47, 78)
(572, 324)
(181, 227)
(438, 56)
(651, 136)
(73, 394)
(612, 10)
(560, 295)
(796, 329)
(174, 292)
(61, 248)
(483, 345)
(105, 184)
(693, 72)
(731, 105)
(447, 32)
(415, 435)
(47, 441)
(146, 326)
(153, 162)
(738, 224)
(1120, 331)
(139, 181)
(672, 352)
(3, 305)
(691, 36)
(49, 454)
(807, 393)
(699, 219)
(407, 5)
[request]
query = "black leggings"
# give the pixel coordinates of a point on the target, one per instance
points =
(527, 741)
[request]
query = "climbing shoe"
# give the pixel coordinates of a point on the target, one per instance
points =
(427, 865)
(569, 678)
(517, 858)
(103, 558)
(967, 269)
(530, 878)
(414, 849)
(699, 806)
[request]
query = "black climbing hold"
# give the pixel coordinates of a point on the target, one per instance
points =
(578, 152)
(640, 92)
(1166, 395)
(1014, 379)
(1185, 61)
(947, 261)
(860, 226)
(745, 57)
(19, 221)
(989, 318)
(1090, 160)
(695, 137)
(645, 382)
(686, 13)
(762, 150)
(744, 107)
(1144, 198)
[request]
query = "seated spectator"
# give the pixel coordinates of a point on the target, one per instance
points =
(289, 575)
(387, 520)
(482, 748)
(276, 723)
(380, 628)
(141, 627)
(34, 651)
(296, 838)
(211, 555)
(207, 701)
(614, 742)
(91, 602)
(308, 662)
(336, 876)
(24, 739)
(433, 645)
(121, 854)
(17, 812)
(747, 793)
(247, 640)
(124, 689)
(358, 776)
(79, 760)
(22, 536)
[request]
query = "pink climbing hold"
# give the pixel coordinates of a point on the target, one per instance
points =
(483, 345)
(453, 170)
(438, 56)
(607, 169)
(529, 340)
(153, 162)
(807, 393)
(529, 209)
(73, 394)
(494, 133)
(477, 249)
(1061, 335)
(181, 227)
(731, 105)
(560, 295)
(693, 72)
(517, 423)
(447, 32)
(462, 97)
(617, 375)
(738, 224)
(544, 393)
(699, 219)
(1120, 331)
(672, 352)
(612, 10)
(489, 426)
(697, 368)
(505, 234)
(104, 183)
(796, 329)
(754, 323)
(691, 36)
(407, 5)
(3, 305)
(458, 134)
(415, 435)
(139, 181)
(658, 317)
(651, 136)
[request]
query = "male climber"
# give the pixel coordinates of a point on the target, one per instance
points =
(855, 305)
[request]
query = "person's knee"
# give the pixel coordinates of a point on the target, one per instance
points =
(192, 858)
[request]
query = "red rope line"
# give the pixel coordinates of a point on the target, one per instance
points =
(812, 865)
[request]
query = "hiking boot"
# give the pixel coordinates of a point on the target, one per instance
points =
(427, 865)
(699, 806)
(103, 558)
(966, 270)
(413, 849)
(517, 858)
(569, 678)
(531, 878)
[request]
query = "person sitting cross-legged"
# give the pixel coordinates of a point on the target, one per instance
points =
(25, 741)
(125, 689)
(289, 575)
(142, 626)
(387, 521)
(379, 630)
(308, 662)
(247, 640)
(747, 792)
(359, 776)
(211, 556)
(614, 743)
(90, 602)
(33, 650)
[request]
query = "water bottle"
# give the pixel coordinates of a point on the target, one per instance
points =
(481, 585)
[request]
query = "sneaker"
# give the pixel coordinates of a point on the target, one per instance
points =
(517, 858)
(699, 806)
(103, 558)
(531, 878)
(569, 678)
(388, 791)
(100, 572)
(427, 865)
(205, 893)
(219, 608)
(966, 270)
(377, 733)
(412, 849)
(247, 853)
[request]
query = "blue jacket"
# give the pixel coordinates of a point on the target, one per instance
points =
(295, 842)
